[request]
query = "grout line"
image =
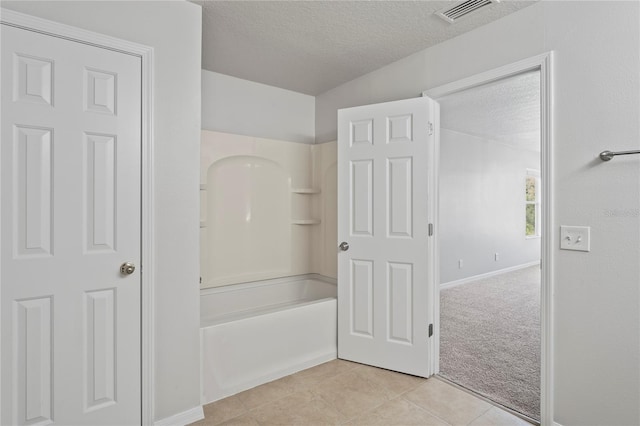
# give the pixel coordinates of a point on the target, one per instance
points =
(480, 415)
(435, 377)
(385, 391)
(233, 418)
(485, 399)
(358, 366)
(426, 410)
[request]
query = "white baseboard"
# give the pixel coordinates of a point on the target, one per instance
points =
(487, 275)
(182, 419)
(556, 424)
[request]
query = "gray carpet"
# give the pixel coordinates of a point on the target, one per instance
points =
(490, 338)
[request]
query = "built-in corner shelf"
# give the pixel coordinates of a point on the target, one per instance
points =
(305, 221)
(203, 224)
(305, 190)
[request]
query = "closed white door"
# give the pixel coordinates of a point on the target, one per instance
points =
(70, 158)
(385, 266)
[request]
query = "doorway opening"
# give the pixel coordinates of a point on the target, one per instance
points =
(490, 227)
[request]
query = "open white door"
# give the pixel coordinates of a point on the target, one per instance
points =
(386, 177)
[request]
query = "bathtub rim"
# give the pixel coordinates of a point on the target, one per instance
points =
(265, 310)
(227, 288)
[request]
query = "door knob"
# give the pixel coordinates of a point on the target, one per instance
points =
(344, 246)
(127, 268)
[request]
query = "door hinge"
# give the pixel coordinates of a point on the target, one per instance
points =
(430, 330)
(430, 128)
(431, 229)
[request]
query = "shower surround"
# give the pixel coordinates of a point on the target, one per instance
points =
(268, 209)
(268, 230)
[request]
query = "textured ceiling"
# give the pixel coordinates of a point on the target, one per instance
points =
(313, 46)
(507, 111)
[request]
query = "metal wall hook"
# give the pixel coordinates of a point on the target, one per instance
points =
(608, 155)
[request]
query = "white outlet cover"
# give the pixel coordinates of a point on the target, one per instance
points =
(575, 238)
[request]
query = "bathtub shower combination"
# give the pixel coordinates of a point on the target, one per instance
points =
(253, 333)
(268, 227)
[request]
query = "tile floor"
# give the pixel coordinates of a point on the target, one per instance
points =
(346, 393)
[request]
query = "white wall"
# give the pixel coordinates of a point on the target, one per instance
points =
(234, 105)
(173, 29)
(596, 107)
(482, 206)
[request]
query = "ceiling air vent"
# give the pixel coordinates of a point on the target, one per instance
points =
(452, 14)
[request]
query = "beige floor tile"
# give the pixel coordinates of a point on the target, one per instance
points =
(203, 422)
(397, 412)
(243, 420)
(285, 403)
(447, 402)
(223, 410)
(498, 417)
(392, 382)
(268, 392)
(314, 375)
(351, 394)
(341, 391)
(303, 408)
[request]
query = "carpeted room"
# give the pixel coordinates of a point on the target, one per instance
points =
(490, 242)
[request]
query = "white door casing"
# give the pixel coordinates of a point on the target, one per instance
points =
(70, 158)
(386, 181)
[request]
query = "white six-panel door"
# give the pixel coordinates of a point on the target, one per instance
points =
(70, 216)
(386, 275)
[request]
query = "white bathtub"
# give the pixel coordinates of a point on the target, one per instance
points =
(253, 333)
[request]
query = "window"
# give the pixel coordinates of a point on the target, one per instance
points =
(532, 204)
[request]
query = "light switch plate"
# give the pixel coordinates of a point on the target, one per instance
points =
(575, 238)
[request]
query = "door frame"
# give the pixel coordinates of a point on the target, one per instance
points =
(543, 63)
(55, 29)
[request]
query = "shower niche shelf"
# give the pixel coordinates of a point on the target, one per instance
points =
(306, 221)
(303, 206)
(309, 191)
